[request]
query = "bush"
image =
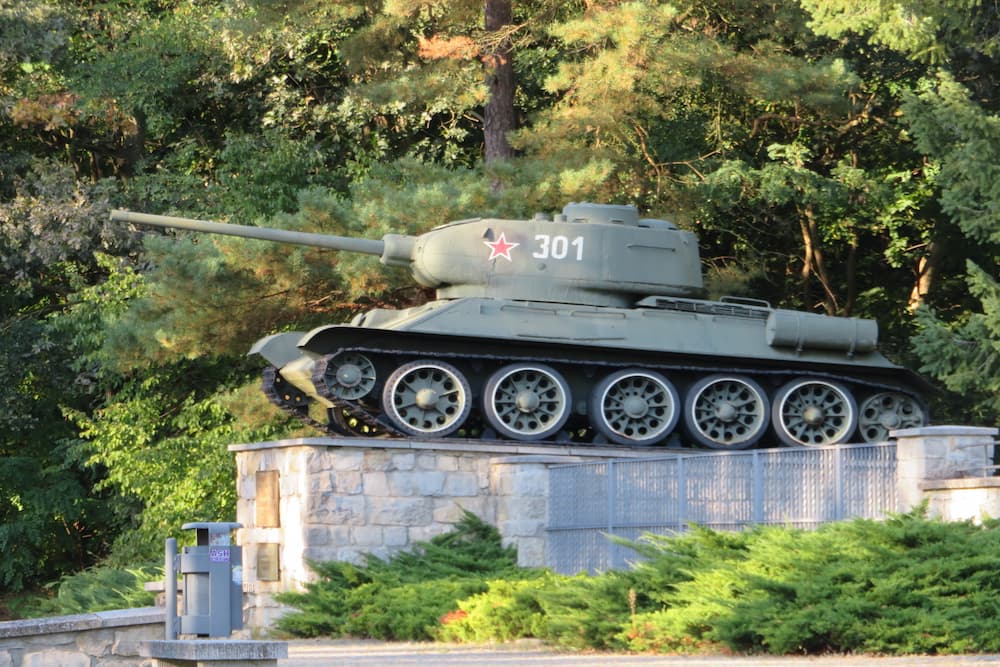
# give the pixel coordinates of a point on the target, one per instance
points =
(103, 588)
(907, 585)
(508, 609)
(402, 597)
(903, 586)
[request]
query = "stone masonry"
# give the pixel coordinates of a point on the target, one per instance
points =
(951, 467)
(337, 499)
(101, 639)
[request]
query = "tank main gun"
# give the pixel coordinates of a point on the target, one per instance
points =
(392, 249)
(590, 254)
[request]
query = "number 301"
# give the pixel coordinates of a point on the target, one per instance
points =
(557, 247)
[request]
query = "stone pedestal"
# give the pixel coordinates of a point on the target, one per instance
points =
(943, 463)
(325, 499)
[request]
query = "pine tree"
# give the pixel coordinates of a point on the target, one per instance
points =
(956, 126)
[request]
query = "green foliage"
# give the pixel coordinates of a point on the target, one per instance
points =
(908, 585)
(188, 475)
(508, 609)
(105, 588)
(404, 596)
(904, 586)
(52, 520)
(928, 31)
(965, 355)
(962, 348)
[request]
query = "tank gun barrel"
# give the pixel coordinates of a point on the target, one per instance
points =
(398, 248)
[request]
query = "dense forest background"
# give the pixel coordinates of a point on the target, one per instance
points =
(837, 156)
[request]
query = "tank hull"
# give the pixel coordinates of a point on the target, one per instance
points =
(672, 371)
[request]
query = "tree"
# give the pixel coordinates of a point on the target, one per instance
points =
(961, 347)
(51, 519)
(958, 131)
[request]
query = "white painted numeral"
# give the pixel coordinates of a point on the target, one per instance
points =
(557, 247)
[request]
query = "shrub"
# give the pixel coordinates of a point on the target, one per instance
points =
(907, 585)
(103, 588)
(902, 586)
(402, 597)
(508, 609)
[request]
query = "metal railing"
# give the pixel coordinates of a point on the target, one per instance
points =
(801, 487)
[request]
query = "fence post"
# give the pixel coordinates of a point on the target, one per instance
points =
(838, 483)
(681, 494)
(758, 489)
(612, 493)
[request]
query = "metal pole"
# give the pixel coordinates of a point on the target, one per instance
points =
(838, 459)
(612, 499)
(170, 575)
(682, 495)
(758, 489)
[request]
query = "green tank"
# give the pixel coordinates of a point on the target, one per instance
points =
(583, 327)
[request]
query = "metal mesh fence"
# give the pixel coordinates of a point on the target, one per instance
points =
(589, 502)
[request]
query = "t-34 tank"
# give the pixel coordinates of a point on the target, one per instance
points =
(585, 327)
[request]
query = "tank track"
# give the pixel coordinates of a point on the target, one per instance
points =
(291, 400)
(380, 427)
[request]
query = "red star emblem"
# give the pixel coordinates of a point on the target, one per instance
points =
(501, 248)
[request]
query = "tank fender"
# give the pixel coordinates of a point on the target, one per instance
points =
(789, 328)
(279, 349)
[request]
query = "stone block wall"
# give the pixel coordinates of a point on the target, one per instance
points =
(339, 498)
(951, 467)
(927, 458)
(102, 639)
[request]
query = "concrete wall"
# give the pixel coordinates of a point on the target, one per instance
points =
(103, 639)
(952, 468)
(338, 498)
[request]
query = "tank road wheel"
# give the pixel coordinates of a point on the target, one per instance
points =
(426, 398)
(526, 401)
(814, 412)
(634, 407)
(726, 412)
(886, 411)
(348, 376)
(345, 424)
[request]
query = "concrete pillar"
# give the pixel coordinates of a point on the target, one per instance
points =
(931, 454)
(519, 486)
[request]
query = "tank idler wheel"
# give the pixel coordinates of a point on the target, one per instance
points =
(526, 401)
(426, 398)
(887, 411)
(349, 376)
(726, 412)
(281, 392)
(634, 407)
(814, 412)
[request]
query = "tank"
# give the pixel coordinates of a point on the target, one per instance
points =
(586, 327)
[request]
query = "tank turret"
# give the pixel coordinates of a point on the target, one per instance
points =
(585, 326)
(590, 254)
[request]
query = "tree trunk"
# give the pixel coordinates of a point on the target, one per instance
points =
(812, 261)
(498, 117)
(926, 267)
(852, 279)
